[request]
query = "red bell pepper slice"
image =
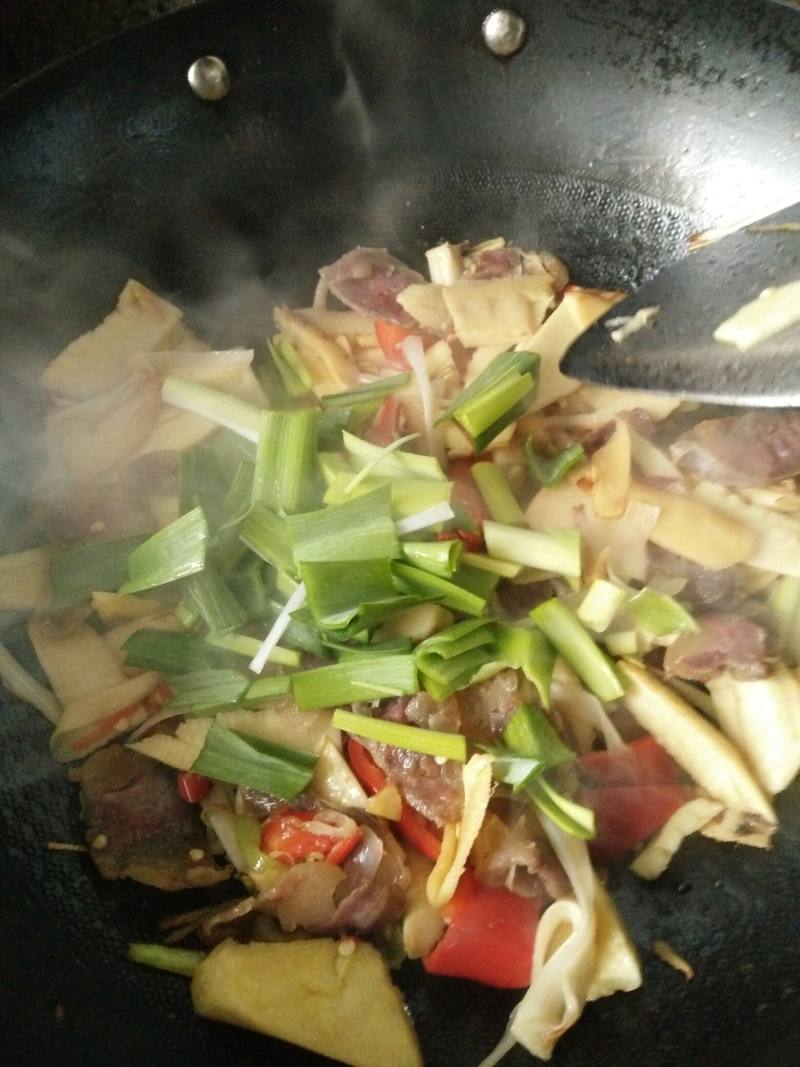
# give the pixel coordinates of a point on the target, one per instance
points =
(632, 791)
(415, 828)
(286, 834)
(193, 787)
(489, 937)
(626, 815)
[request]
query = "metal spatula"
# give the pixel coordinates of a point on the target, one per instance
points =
(677, 352)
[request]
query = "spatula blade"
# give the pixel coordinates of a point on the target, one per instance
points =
(677, 353)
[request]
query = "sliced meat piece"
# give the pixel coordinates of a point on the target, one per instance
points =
(487, 707)
(263, 805)
(704, 588)
(742, 450)
(497, 263)
(518, 858)
(423, 710)
(434, 790)
(138, 827)
(725, 642)
(368, 281)
(366, 893)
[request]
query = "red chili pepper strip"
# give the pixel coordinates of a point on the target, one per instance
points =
(104, 728)
(286, 834)
(342, 848)
(415, 828)
(193, 787)
(489, 937)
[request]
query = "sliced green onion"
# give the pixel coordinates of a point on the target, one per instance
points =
(412, 738)
(183, 961)
(187, 614)
(263, 690)
(393, 465)
(548, 550)
(224, 410)
(200, 483)
(242, 645)
(244, 760)
(502, 568)
(251, 586)
(375, 462)
(476, 580)
(660, 614)
(391, 646)
(172, 653)
(359, 529)
(573, 818)
(277, 630)
(449, 660)
(497, 495)
(211, 596)
(601, 604)
(360, 679)
(432, 587)
(409, 495)
(207, 688)
(437, 557)
(423, 520)
(514, 770)
(530, 733)
(286, 458)
(622, 643)
(174, 552)
(562, 628)
(100, 566)
(266, 534)
(549, 470)
(338, 591)
(301, 632)
(333, 464)
(229, 450)
(365, 394)
(297, 380)
(498, 396)
(532, 653)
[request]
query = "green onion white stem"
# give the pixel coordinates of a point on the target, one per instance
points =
(224, 410)
(277, 630)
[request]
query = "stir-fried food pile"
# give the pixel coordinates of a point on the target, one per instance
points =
(406, 636)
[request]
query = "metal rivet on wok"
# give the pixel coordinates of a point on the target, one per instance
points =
(208, 76)
(504, 32)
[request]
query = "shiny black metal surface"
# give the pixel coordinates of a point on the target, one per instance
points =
(617, 131)
(677, 352)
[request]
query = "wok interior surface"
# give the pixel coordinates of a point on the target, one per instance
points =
(620, 130)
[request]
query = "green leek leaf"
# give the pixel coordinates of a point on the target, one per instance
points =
(100, 566)
(361, 679)
(174, 552)
(241, 759)
(412, 738)
(549, 470)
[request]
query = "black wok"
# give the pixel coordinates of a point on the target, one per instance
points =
(619, 130)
